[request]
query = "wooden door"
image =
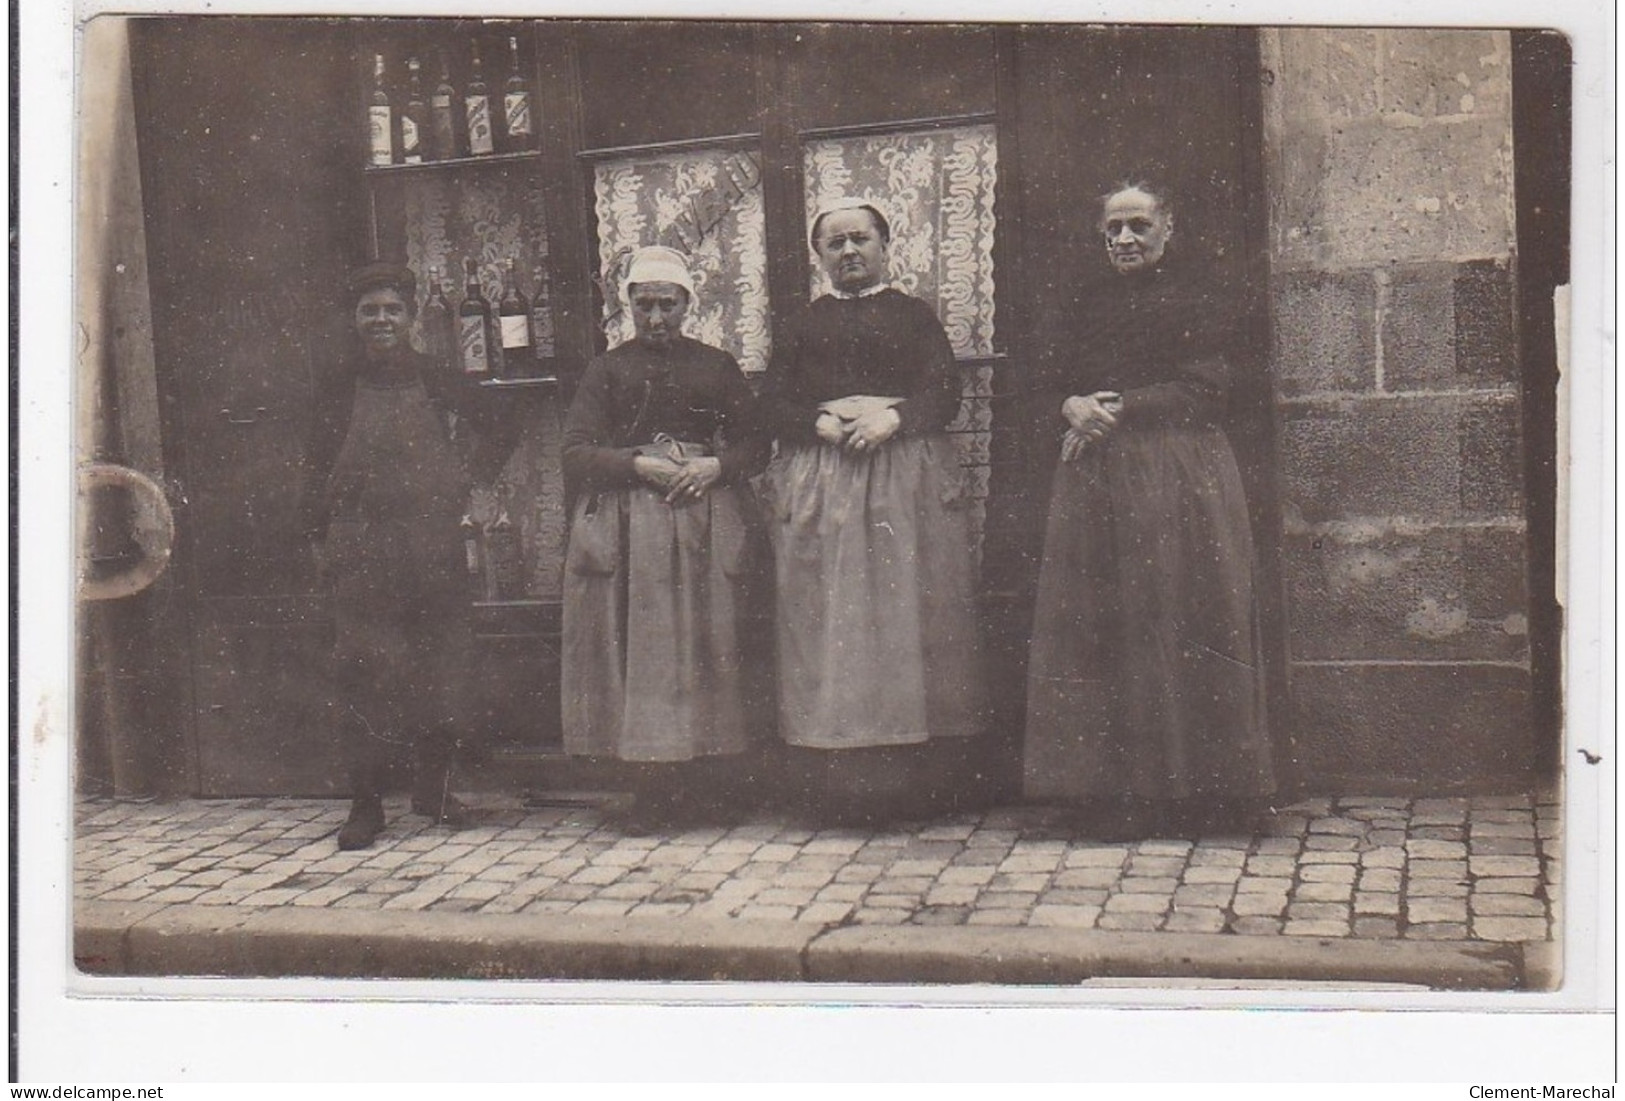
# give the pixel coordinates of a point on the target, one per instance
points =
(248, 174)
(1098, 106)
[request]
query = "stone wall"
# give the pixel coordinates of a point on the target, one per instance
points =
(1389, 167)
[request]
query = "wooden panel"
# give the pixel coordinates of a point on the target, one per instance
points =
(251, 183)
(858, 73)
(654, 81)
(264, 722)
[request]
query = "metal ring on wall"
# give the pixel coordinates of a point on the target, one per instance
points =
(154, 532)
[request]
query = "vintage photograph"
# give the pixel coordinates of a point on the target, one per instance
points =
(952, 504)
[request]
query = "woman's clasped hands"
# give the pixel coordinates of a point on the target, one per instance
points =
(1090, 419)
(864, 432)
(679, 480)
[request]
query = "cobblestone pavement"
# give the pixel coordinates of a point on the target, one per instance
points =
(1482, 868)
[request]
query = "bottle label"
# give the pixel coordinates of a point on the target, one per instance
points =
(471, 341)
(515, 331)
(517, 107)
(378, 127)
(411, 147)
(478, 109)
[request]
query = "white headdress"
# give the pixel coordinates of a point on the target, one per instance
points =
(658, 264)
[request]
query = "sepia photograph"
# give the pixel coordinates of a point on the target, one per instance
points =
(990, 511)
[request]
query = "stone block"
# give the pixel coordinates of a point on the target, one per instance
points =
(1437, 888)
(1271, 865)
(1450, 326)
(1504, 865)
(1329, 873)
(1325, 331)
(1375, 927)
(1384, 902)
(1211, 874)
(1318, 911)
(1436, 457)
(1256, 926)
(1064, 917)
(1426, 911)
(1512, 886)
(1500, 905)
(1323, 892)
(1509, 928)
(1137, 904)
(1369, 193)
(1491, 459)
(1315, 928)
(1264, 885)
(1195, 921)
(1073, 898)
(1377, 724)
(1424, 850)
(1438, 930)
(1330, 73)
(1097, 857)
(1379, 879)
(1206, 894)
(1370, 592)
(1148, 885)
(1428, 73)
(1328, 848)
(1156, 865)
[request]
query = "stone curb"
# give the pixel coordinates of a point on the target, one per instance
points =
(149, 939)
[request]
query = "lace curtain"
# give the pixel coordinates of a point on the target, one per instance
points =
(707, 205)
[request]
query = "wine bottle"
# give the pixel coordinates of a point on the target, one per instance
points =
(504, 559)
(471, 545)
(443, 116)
(380, 119)
(541, 318)
(519, 129)
(414, 117)
(435, 320)
(474, 325)
(513, 316)
(477, 109)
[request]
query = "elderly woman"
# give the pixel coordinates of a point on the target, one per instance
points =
(877, 629)
(1145, 685)
(385, 495)
(660, 439)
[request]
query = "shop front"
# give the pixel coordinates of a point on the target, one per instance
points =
(271, 156)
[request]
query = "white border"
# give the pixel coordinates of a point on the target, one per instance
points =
(971, 1034)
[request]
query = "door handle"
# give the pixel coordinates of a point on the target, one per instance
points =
(154, 533)
(255, 417)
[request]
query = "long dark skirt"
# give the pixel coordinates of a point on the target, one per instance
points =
(1146, 679)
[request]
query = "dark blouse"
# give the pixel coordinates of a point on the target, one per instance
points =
(457, 406)
(632, 393)
(1162, 338)
(887, 345)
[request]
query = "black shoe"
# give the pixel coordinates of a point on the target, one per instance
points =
(365, 823)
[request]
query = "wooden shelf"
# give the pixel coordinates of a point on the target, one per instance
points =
(390, 170)
(522, 383)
